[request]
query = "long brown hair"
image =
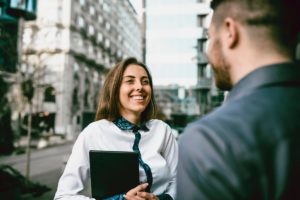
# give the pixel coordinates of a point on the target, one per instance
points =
(108, 106)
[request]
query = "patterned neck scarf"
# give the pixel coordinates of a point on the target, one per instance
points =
(124, 124)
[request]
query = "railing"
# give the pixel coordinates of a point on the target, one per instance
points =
(204, 83)
(201, 58)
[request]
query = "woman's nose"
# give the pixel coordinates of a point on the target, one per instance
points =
(138, 85)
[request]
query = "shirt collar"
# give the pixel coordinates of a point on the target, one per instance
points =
(124, 124)
(268, 75)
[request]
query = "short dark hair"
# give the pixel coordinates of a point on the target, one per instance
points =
(280, 17)
(108, 106)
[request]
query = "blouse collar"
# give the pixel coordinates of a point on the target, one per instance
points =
(124, 124)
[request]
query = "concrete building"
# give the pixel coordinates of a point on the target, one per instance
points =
(178, 105)
(176, 43)
(69, 47)
(171, 41)
(205, 90)
(175, 100)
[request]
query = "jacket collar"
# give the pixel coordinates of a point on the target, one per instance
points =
(287, 73)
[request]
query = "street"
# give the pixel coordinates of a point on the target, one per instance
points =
(46, 166)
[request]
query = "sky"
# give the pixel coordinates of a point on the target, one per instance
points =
(171, 41)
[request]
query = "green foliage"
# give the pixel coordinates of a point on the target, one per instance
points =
(6, 133)
(14, 184)
(8, 46)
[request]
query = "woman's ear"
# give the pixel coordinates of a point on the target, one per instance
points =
(231, 33)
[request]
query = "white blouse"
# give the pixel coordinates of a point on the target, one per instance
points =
(158, 148)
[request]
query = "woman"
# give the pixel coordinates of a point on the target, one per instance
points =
(124, 123)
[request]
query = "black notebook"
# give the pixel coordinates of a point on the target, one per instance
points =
(113, 172)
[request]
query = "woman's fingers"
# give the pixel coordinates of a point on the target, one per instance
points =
(139, 188)
(127, 197)
(147, 196)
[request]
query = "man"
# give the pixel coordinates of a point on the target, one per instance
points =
(249, 148)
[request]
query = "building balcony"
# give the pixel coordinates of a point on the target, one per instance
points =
(204, 34)
(25, 9)
(201, 58)
(5, 18)
(204, 83)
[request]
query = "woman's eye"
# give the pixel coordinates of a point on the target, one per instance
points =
(129, 81)
(145, 82)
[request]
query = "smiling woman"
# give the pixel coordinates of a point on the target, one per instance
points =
(128, 78)
(125, 122)
(135, 93)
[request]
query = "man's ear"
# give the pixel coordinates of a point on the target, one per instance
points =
(231, 33)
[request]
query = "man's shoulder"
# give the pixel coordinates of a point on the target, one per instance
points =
(230, 120)
(224, 114)
(246, 117)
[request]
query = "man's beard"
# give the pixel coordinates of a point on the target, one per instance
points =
(221, 67)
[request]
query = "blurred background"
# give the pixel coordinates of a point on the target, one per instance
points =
(54, 55)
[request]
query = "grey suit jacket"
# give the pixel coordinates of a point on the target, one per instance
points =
(249, 148)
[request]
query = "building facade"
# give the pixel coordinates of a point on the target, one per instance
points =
(10, 13)
(69, 48)
(176, 102)
(205, 90)
(176, 44)
(171, 41)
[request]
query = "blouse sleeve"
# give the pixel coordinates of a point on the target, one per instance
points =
(170, 153)
(76, 173)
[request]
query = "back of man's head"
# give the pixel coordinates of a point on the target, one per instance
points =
(278, 20)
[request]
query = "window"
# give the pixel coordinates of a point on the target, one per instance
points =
(119, 38)
(201, 44)
(95, 77)
(80, 42)
(18, 4)
(49, 94)
(107, 26)
(82, 2)
(201, 20)
(78, 119)
(92, 11)
(80, 22)
(86, 99)
(119, 54)
(106, 7)
(75, 101)
(99, 37)
(75, 67)
(99, 55)
(107, 43)
(91, 30)
(86, 93)
(100, 19)
(90, 49)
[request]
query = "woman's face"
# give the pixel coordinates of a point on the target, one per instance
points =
(135, 91)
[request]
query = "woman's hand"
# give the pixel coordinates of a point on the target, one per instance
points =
(147, 196)
(138, 193)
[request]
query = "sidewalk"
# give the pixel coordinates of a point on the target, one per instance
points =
(46, 166)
